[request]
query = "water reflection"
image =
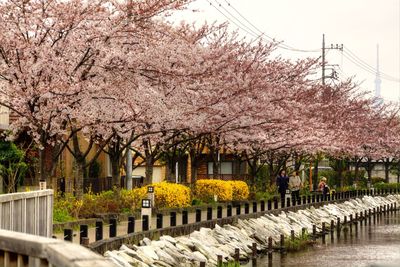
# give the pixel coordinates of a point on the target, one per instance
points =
(371, 244)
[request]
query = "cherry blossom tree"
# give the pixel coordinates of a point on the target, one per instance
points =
(54, 55)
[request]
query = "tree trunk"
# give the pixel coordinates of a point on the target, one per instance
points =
(271, 176)
(387, 169)
(214, 152)
(78, 179)
(297, 164)
(193, 166)
(116, 175)
(42, 165)
(253, 173)
(340, 172)
(369, 170)
(168, 171)
(315, 173)
(356, 170)
(149, 170)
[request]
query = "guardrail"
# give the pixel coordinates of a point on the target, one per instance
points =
(183, 222)
(25, 250)
(28, 212)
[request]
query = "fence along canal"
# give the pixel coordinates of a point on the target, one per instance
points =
(372, 238)
(229, 243)
(191, 219)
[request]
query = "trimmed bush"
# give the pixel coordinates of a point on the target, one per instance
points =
(171, 195)
(240, 190)
(167, 195)
(383, 185)
(206, 189)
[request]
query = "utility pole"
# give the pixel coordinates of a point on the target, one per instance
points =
(316, 159)
(324, 48)
(323, 59)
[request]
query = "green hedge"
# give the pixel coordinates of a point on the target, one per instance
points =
(382, 185)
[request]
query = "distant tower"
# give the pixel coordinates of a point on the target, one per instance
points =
(378, 75)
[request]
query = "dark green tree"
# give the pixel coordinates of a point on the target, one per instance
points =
(12, 166)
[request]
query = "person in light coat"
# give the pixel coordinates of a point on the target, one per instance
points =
(295, 184)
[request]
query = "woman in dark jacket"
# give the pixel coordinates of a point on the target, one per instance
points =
(282, 181)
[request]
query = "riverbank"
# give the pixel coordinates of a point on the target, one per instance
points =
(223, 243)
(375, 243)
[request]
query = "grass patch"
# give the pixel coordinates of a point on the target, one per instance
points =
(299, 243)
(229, 264)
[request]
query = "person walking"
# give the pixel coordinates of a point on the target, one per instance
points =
(323, 187)
(282, 181)
(295, 185)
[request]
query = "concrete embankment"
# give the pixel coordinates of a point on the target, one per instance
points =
(240, 239)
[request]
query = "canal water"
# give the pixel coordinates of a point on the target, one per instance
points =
(373, 244)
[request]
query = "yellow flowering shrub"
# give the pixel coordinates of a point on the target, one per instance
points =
(171, 195)
(240, 190)
(205, 190)
(131, 199)
(167, 195)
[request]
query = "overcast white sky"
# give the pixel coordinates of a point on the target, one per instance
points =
(358, 24)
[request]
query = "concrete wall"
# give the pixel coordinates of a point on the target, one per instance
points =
(19, 249)
(28, 212)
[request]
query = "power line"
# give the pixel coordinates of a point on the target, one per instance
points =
(367, 66)
(257, 33)
(254, 31)
(284, 46)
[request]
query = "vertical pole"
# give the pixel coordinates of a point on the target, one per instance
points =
(314, 232)
(176, 172)
(131, 224)
(219, 212)
(269, 247)
(185, 217)
(282, 243)
(237, 255)
(85, 241)
(219, 260)
(83, 232)
(113, 227)
(198, 215)
(159, 221)
(254, 254)
(172, 218)
(68, 235)
(209, 213)
(99, 230)
(254, 207)
(323, 59)
(145, 222)
(311, 184)
(129, 183)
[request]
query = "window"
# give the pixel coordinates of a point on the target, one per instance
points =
(226, 167)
